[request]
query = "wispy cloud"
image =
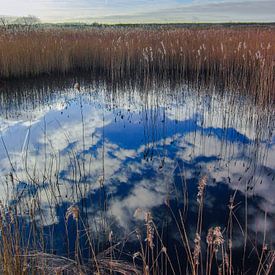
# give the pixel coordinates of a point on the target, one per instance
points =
(144, 10)
(206, 11)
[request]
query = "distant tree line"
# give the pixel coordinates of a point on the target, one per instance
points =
(23, 23)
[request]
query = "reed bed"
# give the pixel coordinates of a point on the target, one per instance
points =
(23, 245)
(239, 58)
(27, 241)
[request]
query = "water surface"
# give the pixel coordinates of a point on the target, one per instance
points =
(112, 152)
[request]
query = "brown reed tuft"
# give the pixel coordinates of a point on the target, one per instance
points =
(239, 58)
(201, 186)
(72, 211)
(149, 229)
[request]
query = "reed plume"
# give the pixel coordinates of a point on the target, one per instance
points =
(232, 58)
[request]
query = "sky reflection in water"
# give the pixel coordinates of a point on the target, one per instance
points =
(144, 143)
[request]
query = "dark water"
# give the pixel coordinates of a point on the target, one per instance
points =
(111, 152)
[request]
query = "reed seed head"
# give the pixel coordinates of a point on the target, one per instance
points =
(149, 229)
(72, 211)
(197, 249)
(201, 187)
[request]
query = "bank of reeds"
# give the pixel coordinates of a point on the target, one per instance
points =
(23, 246)
(231, 57)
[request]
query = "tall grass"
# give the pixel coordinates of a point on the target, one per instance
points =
(27, 241)
(234, 58)
(23, 251)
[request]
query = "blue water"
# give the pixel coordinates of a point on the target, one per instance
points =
(114, 152)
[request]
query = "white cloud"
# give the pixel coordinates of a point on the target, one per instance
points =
(145, 192)
(144, 10)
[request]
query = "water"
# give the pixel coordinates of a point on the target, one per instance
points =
(118, 154)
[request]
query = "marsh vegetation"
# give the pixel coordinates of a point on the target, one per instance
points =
(160, 162)
(239, 58)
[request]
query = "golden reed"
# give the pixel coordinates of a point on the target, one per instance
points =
(242, 58)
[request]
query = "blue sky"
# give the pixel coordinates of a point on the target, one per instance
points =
(143, 10)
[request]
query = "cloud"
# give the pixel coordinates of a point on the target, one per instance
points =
(204, 11)
(145, 10)
(130, 180)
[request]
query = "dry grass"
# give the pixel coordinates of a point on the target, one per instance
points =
(231, 57)
(23, 251)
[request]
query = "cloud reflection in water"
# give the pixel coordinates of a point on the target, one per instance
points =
(141, 146)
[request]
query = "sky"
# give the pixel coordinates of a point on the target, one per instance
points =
(143, 10)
